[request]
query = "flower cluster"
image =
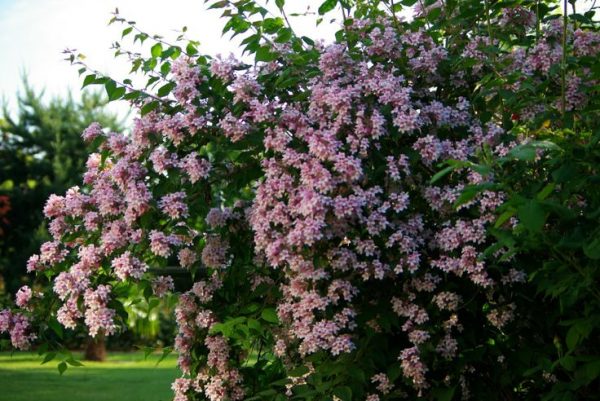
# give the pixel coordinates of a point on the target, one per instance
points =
(19, 328)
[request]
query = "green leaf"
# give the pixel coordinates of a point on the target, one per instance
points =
(394, 372)
(442, 173)
(218, 4)
(268, 392)
(153, 303)
(523, 152)
(546, 191)
(73, 362)
(42, 349)
(49, 356)
(470, 192)
(568, 362)
(220, 328)
(166, 89)
(56, 327)
(434, 13)
(272, 25)
(504, 217)
(264, 54)
(589, 371)
(280, 3)
(126, 32)
(547, 145)
(269, 315)
(148, 107)
(113, 91)
(190, 49)
(327, 6)
(62, 367)
(151, 81)
(156, 50)
(443, 393)
(573, 337)
(254, 325)
(89, 80)
(580, 18)
(281, 382)
(528, 151)
(565, 173)
(165, 68)
(117, 93)
(344, 393)
(532, 215)
(110, 87)
(298, 371)
(165, 353)
(308, 41)
(147, 352)
(284, 35)
(592, 248)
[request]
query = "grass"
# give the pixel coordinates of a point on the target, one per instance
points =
(123, 377)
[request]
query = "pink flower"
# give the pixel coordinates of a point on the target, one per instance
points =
(127, 266)
(34, 264)
(23, 296)
(181, 386)
(195, 167)
(217, 218)
(20, 335)
(187, 257)
(214, 253)
(55, 206)
(162, 285)
(224, 68)
(174, 205)
(384, 385)
(18, 326)
(98, 317)
(51, 253)
(162, 159)
(91, 132)
(413, 368)
(187, 76)
(5, 320)
(160, 243)
(233, 127)
(69, 313)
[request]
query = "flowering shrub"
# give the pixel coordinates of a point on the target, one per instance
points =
(329, 256)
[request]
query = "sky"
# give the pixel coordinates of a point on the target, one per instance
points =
(33, 34)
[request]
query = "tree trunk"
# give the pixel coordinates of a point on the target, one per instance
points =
(95, 349)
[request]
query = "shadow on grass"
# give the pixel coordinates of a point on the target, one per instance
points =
(22, 378)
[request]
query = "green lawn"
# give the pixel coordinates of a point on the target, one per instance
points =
(124, 377)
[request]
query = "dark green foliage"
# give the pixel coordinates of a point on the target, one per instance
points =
(557, 242)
